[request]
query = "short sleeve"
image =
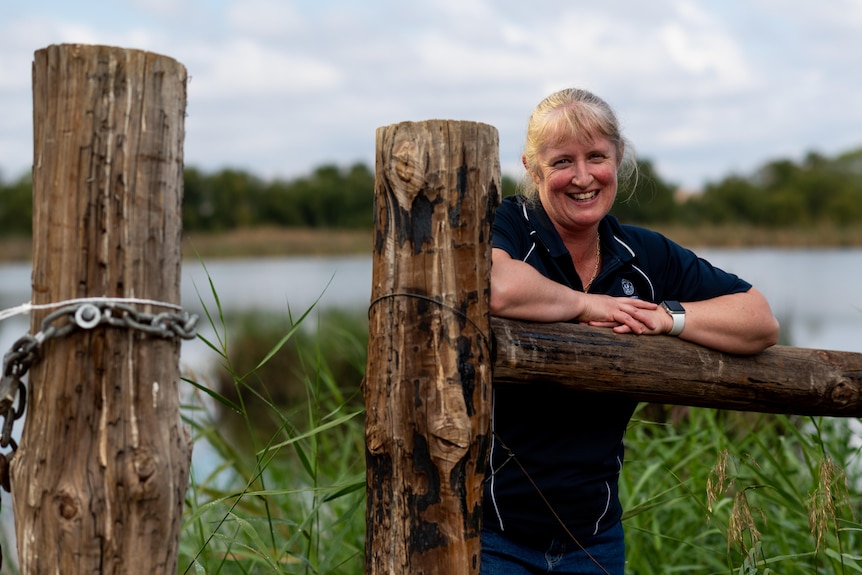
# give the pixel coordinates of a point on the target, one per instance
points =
(688, 277)
(509, 232)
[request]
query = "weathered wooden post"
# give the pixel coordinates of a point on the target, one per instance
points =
(428, 378)
(99, 479)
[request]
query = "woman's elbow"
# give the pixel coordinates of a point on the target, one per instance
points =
(763, 328)
(498, 302)
(764, 337)
(771, 333)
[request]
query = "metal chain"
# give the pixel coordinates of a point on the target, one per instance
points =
(60, 323)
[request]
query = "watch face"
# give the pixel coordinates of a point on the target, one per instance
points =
(673, 306)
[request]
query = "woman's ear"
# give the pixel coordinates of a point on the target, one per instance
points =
(533, 175)
(621, 152)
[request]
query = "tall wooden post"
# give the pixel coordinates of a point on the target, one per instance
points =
(101, 473)
(428, 379)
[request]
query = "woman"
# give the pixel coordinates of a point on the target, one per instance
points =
(551, 501)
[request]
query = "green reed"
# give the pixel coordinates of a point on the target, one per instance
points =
(705, 491)
(283, 429)
(728, 492)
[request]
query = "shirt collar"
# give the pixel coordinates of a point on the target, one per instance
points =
(610, 230)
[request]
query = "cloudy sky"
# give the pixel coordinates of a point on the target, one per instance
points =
(278, 87)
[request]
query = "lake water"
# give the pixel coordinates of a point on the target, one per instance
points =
(816, 294)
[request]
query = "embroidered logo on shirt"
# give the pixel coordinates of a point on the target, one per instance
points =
(628, 287)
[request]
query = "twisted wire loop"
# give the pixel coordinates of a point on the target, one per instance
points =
(84, 315)
(434, 300)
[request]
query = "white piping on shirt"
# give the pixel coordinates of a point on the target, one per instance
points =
(605, 512)
(646, 277)
(625, 245)
(530, 251)
(640, 271)
(608, 502)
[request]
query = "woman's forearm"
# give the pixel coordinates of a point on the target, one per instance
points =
(736, 323)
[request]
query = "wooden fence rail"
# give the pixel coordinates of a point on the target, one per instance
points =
(431, 342)
(781, 379)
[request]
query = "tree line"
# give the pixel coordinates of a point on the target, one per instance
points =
(817, 190)
(780, 194)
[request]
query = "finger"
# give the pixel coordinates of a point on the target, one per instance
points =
(645, 318)
(633, 323)
(597, 323)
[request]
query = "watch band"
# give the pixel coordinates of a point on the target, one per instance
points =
(677, 313)
(678, 323)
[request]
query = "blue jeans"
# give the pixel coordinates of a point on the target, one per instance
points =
(605, 555)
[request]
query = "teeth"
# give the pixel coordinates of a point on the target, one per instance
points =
(585, 196)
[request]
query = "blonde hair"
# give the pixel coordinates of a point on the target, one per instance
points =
(574, 114)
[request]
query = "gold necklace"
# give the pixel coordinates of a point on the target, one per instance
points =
(598, 260)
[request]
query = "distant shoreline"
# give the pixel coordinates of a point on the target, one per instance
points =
(262, 242)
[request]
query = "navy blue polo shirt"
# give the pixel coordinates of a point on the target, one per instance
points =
(570, 443)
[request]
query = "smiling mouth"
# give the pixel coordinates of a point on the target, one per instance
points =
(584, 196)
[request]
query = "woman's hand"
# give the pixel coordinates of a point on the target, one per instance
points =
(624, 315)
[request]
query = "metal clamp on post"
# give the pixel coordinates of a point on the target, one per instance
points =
(88, 316)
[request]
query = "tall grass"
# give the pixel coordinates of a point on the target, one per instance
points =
(705, 491)
(283, 491)
(730, 492)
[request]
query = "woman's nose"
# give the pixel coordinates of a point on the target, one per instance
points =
(580, 175)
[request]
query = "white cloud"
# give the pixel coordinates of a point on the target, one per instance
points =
(161, 8)
(705, 55)
(834, 16)
(453, 61)
(243, 67)
(278, 86)
(264, 18)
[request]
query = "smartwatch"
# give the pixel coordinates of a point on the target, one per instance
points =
(677, 312)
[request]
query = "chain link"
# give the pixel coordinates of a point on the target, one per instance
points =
(60, 323)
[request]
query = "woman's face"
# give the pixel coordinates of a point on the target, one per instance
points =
(577, 182)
